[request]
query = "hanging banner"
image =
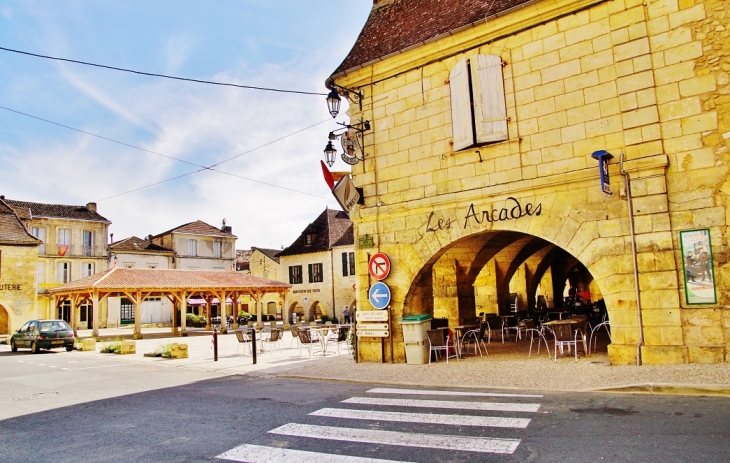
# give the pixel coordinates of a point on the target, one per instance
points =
(699, 276)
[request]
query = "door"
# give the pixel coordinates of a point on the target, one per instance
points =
(3, 320)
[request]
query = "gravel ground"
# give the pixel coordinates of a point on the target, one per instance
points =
(508, 366)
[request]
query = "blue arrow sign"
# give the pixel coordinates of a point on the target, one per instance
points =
(379, 295)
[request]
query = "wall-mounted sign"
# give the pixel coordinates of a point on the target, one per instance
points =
(10, 287)
(346, 193)
(603, 157)
(379, 295)
(372, 333)
(699, 276)
(379, 266)
(372, 315)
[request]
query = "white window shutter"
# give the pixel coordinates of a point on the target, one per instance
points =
(490, 108)
(461, 106)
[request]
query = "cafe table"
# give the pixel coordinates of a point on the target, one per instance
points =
(323, 335)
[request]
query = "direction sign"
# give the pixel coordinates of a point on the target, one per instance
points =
(373, 326)
(372, 315)
(372, 333)
(379, 295)
(379, 266)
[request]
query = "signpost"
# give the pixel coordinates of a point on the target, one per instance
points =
(379, 266)
(379, 295)
(372, 316)
(367, 333)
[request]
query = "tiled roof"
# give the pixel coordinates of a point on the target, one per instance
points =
(12, 230)
(133, 244)
(199, 228)
(118, 278)
(331, 228)
(27, 210)
(394, 25)
(270, 253)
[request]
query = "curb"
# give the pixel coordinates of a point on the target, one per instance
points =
(715, 390)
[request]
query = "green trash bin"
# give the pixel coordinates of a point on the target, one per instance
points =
(414, 337)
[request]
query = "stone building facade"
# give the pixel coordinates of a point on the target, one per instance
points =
(481, 179)
(320, 267)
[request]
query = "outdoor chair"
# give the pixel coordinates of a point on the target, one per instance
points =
(306, 340)
(594, 332)
(438, 341)
(475, 337)
(272, 340)
(510, 324)
(341, 338)
(295, 334)
(532, 331)
(244, 339)
(565, 336)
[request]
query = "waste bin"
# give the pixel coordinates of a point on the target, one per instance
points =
(414, 337)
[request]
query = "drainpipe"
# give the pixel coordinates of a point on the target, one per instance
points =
(636, 266)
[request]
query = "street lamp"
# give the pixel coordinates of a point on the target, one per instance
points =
(333, 98)
(333, 103)
(330, 152)
(351, 140)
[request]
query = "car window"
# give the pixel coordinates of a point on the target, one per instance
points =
(56, 325)
(25, 327)
(33, 327)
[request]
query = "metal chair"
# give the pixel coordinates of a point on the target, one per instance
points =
(592, 341)
(475, 336)
(306, 340)
(510, 324)
(531, 330)
(437, 342)
(272, 340)
(244, 339)
(295, 334)
(565, 336)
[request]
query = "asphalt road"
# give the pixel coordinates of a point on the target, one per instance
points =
(62, 406)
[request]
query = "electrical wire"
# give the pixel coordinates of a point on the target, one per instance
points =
(201, 167)
(199, 81)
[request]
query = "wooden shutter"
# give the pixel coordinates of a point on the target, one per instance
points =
(309, 267)
(291, 275)
(461, 106)
(344, 264)
(490, 108)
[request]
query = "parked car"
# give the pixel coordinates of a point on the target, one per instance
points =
(43, 334)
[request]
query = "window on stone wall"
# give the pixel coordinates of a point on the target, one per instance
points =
(348, 264)
(192, 248)
(126, 312)
(295, 274)
(478, 107)
(315, 273)
(40, 233)
(63, 272)
(217, 249)
(87, 269)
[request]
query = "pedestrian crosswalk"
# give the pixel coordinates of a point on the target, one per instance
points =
(374, 407)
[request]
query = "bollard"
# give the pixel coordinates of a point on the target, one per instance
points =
(253, 344)
(215, 345)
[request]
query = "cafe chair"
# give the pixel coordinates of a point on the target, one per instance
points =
(437, 342)
(475, 337)
(294, 334)
(565, 336)
(272, 340)
(532, 331)
(306, 340)
(510, 324)
(244, 339)
(594, 332)
(342, 338)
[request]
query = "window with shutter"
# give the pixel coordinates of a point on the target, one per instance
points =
(352, 263)
(345, 267)
(478, 106)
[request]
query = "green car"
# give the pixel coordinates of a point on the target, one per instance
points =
(43, 334)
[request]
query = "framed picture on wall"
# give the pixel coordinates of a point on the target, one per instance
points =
(699, 275)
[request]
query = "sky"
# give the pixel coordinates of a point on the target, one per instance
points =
(136, 145)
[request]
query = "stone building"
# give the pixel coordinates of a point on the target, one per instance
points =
(320, 267)
(520, 145)
(74, 245)
(198, 245)
(18, 264)
(265, 263)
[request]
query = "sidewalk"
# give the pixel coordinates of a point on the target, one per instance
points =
(507, 366)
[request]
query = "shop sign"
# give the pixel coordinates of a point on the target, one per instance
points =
(10, 287)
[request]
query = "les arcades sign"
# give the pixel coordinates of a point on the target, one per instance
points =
(513, 209)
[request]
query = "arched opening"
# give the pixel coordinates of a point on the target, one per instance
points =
(296, 310)
(501, 273)
(4, 321)
(315, 311)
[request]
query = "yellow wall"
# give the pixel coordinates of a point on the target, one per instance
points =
(645, 79)
(17, 285)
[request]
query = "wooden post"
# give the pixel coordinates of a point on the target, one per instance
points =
(95, 313)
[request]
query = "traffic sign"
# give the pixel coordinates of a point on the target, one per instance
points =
(379, 266)
(379, 295)
(372, 315)
(372, 333)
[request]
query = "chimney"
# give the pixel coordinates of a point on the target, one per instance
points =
(148, 238)
(91, 207)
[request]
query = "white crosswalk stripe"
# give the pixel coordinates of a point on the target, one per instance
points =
(408, 439)
(484, 406)
(387, 390)
(423, 418)
(261, 454)
(451, 440)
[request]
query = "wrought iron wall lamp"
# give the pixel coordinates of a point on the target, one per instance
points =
(333, 98)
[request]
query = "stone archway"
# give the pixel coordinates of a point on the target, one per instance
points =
(4, 321)
(315, 311)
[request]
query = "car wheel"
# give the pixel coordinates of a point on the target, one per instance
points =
(13, 347)
(69, 348)
(34, 347)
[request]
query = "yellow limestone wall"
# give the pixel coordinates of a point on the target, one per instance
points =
(649, 79)
(18, 284)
